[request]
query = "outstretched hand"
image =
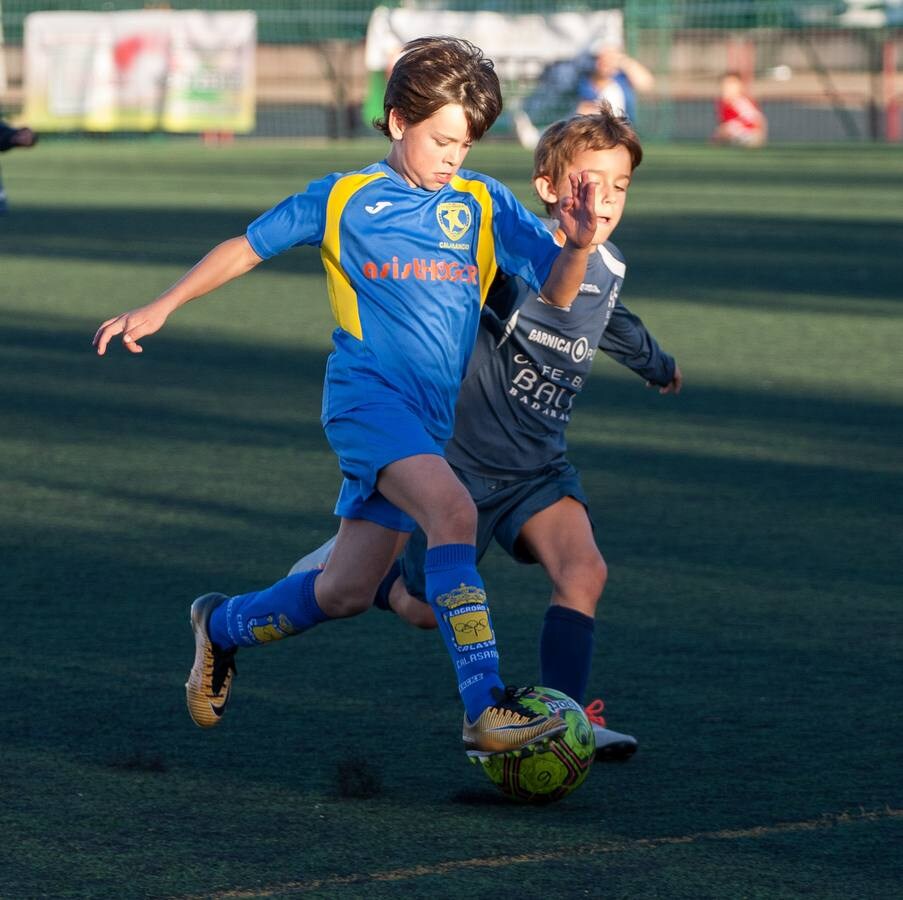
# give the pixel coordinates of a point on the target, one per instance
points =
(673, 386)
(577, 213)
(228, 260)
(133, 326)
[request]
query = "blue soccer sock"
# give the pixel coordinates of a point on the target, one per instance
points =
(288, 607)
(566, 651)
(455, 592)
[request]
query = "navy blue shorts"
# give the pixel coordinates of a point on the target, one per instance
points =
(504, 506)
(366, 439)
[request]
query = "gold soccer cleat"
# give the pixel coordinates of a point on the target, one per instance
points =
(210, 680)
(509, 726)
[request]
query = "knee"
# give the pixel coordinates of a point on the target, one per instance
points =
(462, 511)
(341, 599)
(599, 576)
(580, 584)
(456, 522)
(346, 606)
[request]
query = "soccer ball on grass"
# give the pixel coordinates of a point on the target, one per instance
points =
(554, 770)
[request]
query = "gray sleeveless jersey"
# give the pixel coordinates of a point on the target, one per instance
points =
(530, 362)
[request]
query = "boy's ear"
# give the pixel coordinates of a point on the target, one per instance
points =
(396, 124)
(546, 190)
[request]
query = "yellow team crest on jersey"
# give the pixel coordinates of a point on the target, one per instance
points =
(455, 219)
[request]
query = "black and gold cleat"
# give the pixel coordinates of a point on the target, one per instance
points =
(210, 680)
(509, 726)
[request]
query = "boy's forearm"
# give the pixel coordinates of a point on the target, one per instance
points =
(225, 262)
(566, 276)
(637, 74)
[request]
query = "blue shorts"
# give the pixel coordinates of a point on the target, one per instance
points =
(366, 439)
(503, 506)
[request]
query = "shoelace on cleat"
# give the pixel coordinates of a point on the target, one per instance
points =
(509, 703)
(593, 712)
(515, 693)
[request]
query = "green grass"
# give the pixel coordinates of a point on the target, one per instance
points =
(752, 528)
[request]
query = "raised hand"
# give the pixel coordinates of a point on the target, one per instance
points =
(577, 213)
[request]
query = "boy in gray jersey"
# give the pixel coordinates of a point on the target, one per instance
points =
(509, 447)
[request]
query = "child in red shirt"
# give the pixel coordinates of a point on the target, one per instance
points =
(740, 121)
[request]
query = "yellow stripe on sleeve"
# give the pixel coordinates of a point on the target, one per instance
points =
(486, 241)
(342, 296)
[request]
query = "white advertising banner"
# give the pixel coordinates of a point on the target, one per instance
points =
(140, 71)
(518, 44)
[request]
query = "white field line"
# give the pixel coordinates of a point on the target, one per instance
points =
(822, 823)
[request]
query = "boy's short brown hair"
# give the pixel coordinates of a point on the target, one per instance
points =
(434, 71)
(563, 140)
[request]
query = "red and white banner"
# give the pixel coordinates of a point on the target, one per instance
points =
(146, 70)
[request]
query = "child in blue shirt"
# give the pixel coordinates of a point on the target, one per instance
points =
(410, 246)
(530, 364)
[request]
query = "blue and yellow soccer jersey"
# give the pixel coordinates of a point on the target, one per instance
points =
(407, 273)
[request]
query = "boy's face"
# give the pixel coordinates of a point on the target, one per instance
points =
(610, 170)
(608, 62)
(428, 155)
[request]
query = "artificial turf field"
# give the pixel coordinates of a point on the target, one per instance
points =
(752, 526)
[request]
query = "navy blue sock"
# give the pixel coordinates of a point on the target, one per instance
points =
(455, 593)
(381, 600)
(288, 607)
(566, 651)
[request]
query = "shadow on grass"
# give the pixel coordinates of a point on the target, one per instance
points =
(88, 421)
(133, 236)
(790, 264)
(188, 390)
(778, 256)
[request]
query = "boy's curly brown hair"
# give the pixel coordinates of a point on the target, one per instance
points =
(563, 140)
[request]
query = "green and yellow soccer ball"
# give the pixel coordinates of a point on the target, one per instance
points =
(551, 771)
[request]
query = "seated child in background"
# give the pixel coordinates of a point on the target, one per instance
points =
(740, 121)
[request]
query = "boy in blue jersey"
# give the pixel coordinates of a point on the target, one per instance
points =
(410, 246)
(509, 446)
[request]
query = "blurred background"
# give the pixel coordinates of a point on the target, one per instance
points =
(818, 69)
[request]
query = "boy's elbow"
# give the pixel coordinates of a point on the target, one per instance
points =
(560, 291)
(556, 298)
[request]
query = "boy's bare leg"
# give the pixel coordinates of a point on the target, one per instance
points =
(362, 556)
(360, 559)
(410, 608)
(427, 489)
(560, 538)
